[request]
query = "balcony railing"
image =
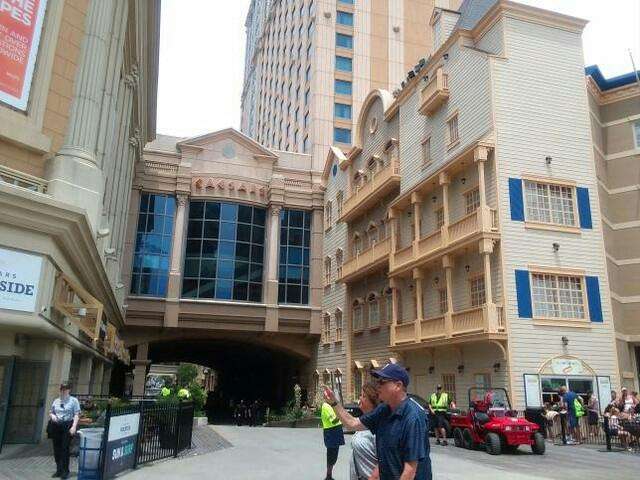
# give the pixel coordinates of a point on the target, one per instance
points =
(21, 179)
(486, 320)
(364, 261)
(435, 93)
(381, 184)
(481, 220)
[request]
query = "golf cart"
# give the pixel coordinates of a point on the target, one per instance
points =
(490, 422)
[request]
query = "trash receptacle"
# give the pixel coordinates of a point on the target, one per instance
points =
(89, 453)
(535, 415)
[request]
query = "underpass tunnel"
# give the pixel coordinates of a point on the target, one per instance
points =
(243, 371)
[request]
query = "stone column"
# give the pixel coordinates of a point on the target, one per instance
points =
(418, 276)
(444, 183)
(141, 363)
(59, 356)
(98, 371)
(416, 199)
(272, 251)
(393, 225)
(395, 307)
(74, 174)
(480, 155)
(490, 312)
(106, 379)
(447, 264)
(84, 375)
(172, 304)
(315, 270)
(347, 321)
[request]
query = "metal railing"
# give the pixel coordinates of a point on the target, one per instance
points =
(367, 257)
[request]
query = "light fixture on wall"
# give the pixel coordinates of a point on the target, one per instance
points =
(432, 369)
(460, 369)
(436, 280)
(556, 246)
(425, 79)
(565, 341)
(548, 159)
(463, 180)
(467, 268)
(496, 367)
(434, 198)
(445, 56)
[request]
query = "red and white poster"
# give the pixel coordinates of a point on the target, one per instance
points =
(20, 27)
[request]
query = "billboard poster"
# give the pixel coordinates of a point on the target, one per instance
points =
(20, 28)
(19, 280)
(120, 453)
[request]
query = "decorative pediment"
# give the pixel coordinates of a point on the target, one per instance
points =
(200, 142)
(216, 186)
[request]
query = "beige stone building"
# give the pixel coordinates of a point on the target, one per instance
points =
(311, 63)
(77, 104)
(463, 231)
(614, 105)
(224, 263)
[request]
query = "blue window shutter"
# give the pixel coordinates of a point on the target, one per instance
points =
(593, 297)
(523, 292)
(516, 200)
(584, 208)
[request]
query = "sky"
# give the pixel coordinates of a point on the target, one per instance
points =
(202, 55)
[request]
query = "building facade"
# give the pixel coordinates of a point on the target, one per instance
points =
(310, 64)
(614, 106)
(223, 262)
(463, 233)
(77, 103)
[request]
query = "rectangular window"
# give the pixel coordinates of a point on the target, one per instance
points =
(346, 2)
(295, 241)
(557, 296)
(344, 41)
(452, 124)
(449, 384)
(426, 151)
(439, 217)
(342, 135)
(327, 271)
(344, 64)
(339, 202)
(338, 326)
(636, 133)
(326, 329)
(154, 234)
(476, 285)
(550, 203)
(442, 300)
(472, 200)
(374, 313)
(357, 318)
(342, 110)
(342, 87)
(344, 18)
(224, 251)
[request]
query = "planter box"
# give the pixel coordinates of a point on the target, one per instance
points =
(200, 421)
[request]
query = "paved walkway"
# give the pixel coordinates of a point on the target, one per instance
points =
(298, 454)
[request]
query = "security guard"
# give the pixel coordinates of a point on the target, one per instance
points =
(333, 436)
(438, 405)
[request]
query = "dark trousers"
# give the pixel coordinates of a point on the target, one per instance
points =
(332, 456)
(61, 440)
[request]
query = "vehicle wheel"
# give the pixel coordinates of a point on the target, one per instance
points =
(447, 428)
(492, 443)
(539, 445)
(467, 439)
(458, 441)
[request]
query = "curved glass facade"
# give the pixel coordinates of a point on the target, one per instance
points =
(224, 251)
(153, 245)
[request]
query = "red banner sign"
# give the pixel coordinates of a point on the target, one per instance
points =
(20, 27)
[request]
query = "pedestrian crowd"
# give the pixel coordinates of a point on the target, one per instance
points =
(249, 413)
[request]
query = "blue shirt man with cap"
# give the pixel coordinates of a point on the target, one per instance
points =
(399, 424)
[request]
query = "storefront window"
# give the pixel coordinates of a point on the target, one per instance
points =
(580, 385)
(295, 241)
(154, 234)
(224, 252)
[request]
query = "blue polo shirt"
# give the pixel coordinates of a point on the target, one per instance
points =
(401, 436)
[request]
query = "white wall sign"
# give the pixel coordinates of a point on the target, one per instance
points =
(567, 366)
(532, 390)
(604, 392)
(19, 279)
(123, 426)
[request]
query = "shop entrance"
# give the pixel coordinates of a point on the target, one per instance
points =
(582, 386)
(22, 399)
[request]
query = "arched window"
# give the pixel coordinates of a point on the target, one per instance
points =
(339, 261)
(328, 215)
(326, 377)
(372, 167)
(374, 310)
(357, 315)
(372, 234)
(339, 202)
(338, 317)
(388, 305)
(327, 271)
(326, 328)
(357, 244)
(358, 179)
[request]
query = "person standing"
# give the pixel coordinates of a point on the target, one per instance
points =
(399, 424)
(593, 414)
(438, 405)
(364, 460)
(333, 436)
(568, 399)
(64, 416)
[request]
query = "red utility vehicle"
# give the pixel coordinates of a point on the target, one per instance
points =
(491, 422)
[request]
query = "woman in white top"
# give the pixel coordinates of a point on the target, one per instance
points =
(63, 423)
(364, 460)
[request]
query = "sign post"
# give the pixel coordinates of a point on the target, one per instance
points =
(120, 449)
